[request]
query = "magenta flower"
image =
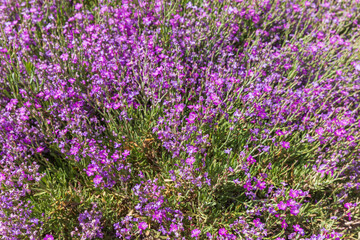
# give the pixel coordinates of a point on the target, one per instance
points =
(190, 160)
(291, 203)
(281, 205)
(2, 177)
(285, 145)
(251, 160)
(320, 131)
(350, 138)
(195, 233)
(191, 118)
(348, 205)
(157, 216)
(98, 179)
(40, 149)
(298, 229)
(78, 6)
(143, 225)
(261, 185)
(294, 211)
(222, 231)
(173, 227)
(126, 153)
(48, 237)
(257, 222)
(92, 168)
(293, 193)
(179, 108)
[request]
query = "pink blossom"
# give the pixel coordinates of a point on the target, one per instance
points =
(143, 225)
(222, 231)
(195, 233)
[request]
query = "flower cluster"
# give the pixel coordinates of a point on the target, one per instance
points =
(180, 120)
(90, 223)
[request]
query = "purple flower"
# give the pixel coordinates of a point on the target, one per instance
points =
(228, 151)
(222, 231)
(292, 235)
(261, 185)
(266, 149)
(2, 177)
(348, 205)
(98, 179)
(191, 118)
(195, 233)
(257, 222)
(293, 193)
(11, 104)
(126, 153)
(191, 150)
(92, 168)
(179, 108)
(143, 225)
(115, 156)
(48, 237)
(216, 100)
(294, 211)
(298, 229)
(78, 6)
(190, 160)
(291, 203)
(251, 160)
(281, 205)
(40, 149)
(157, 216)
(173, 227)
(285, 145)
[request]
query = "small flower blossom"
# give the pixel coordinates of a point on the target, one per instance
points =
(48, 237)
(222, 231)
(2, 177)
(195, 232)
(298, 229)
(143, 225)
(293, 193)
(228, 151)
(281, 205)
(190, 160)
(192, 117)
(98, 179)
(78, 6)
(126, 153)
(179, 108)
(285, 145)
(40, 149)
(174, 227)
(251, 160)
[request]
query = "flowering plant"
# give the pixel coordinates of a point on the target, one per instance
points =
(141, 119)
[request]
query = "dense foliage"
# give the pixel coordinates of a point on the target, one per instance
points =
(179, 119)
